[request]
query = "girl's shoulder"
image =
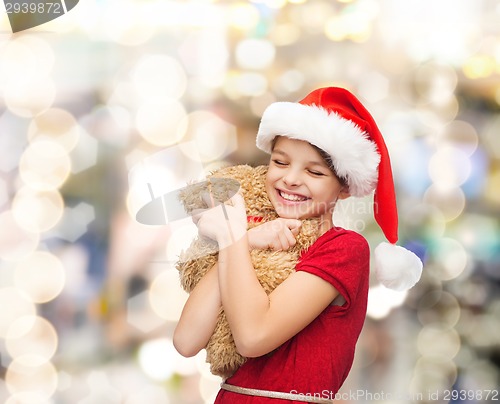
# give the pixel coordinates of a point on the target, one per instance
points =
(340, 236)
(338, 240)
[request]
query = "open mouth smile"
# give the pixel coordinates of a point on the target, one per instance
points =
(292, 197)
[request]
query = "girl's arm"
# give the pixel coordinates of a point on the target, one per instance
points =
(199, 315)
(259, 323)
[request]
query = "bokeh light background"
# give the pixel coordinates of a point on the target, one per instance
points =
(89, 297)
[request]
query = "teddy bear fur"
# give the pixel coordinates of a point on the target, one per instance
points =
(271, 267)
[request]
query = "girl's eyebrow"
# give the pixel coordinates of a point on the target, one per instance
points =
(278, 151)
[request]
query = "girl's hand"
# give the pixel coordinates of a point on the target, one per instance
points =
(223, 223)
(278, 234)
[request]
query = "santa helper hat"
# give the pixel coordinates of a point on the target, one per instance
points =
(334, 120)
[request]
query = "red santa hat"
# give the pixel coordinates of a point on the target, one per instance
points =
(334, 120)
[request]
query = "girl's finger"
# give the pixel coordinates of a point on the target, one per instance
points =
(290, 237)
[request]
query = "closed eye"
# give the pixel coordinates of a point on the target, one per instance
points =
(316, 173)
(279, 163)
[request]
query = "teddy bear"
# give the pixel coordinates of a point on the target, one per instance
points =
(271, 267)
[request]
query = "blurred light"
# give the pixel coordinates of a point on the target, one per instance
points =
(159, 76)
(214, 137)
(449, 167)
(425, 219)
(284, 34)
(75, 222)
(433, 374)
(142, 182)
(381, 301)
(259, 103)
(37, 211)
(374, 87)
(131, 29)
(410, 163)
(438, 341)
(31, 97)
(4, 193)
(290, 81)
(11, 144)
(209, 386)
(195, 15)
(19, 63)
(484, 374)
(242, 16)
(57, 125)
(41, 276)
(491, 136)
(161, 121)
(166, 296)
(44, 165)
(342, 27)
(492, 193)
(18, 306)
(354, 22)
(183, 233)
(272, 3)
(140, 314)
(245, 84)
(42, 51)
(425, 35)
(451, 256)
(461, 135)
(163, 172)
(479, 235)
(205, 56)
(479, 66)
(312, 16)
(451, 201)
(26, 62)
(474, 186)
(255, 53)
(32, 338)
(439, 308)
(29, 398)
(101, 390)
(439, 113)
(109, 124)
(24, 376)
(152, 394)
(487, 322)
(84, 155)
(435, 82)
(148, 355)
(15, 242)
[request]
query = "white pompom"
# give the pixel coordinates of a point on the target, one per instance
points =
(396, 267)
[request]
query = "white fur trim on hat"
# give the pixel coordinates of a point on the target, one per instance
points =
(396, 267)
(354, 155)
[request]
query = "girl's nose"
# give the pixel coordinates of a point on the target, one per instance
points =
(291, 178)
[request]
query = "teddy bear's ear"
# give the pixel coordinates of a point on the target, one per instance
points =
(179, 204)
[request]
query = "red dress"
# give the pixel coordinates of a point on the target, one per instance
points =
(317, 360)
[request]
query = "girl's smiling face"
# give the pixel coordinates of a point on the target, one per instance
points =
(299, 182)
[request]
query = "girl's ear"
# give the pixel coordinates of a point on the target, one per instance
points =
(344, 193)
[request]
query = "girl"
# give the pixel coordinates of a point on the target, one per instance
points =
(300, 340)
